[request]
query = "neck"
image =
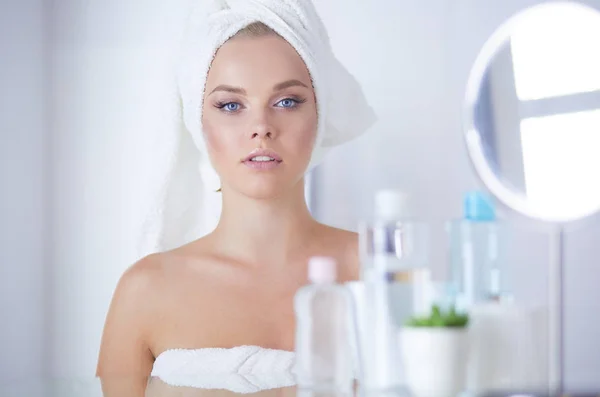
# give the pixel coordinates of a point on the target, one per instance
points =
(264, 230)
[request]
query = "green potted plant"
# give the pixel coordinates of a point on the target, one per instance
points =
(439, 318)
(434, 351)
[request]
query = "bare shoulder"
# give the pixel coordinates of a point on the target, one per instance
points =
(140, 301)
(155, 277)
(159, 275)
(141, 276)
(340, 237)
(345, 244)
(139, 285)
(125, 358)
(124, 346)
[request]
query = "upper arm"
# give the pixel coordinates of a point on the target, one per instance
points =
(352, 256)
(124, 349)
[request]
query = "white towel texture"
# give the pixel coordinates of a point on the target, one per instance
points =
(241, 369)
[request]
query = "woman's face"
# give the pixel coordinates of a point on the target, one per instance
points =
(259, 115)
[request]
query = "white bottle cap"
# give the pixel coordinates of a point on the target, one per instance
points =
(322, 269)
(391, 204)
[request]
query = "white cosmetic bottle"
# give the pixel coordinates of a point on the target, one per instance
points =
(393, 254)
(324, 356)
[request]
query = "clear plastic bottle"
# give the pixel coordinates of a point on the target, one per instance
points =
(393, 249)
(475, 252)
(505, 350)
(324, 357)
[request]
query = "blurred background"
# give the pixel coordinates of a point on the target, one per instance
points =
(81, 87)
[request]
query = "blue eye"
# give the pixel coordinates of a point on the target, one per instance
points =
(287, 103)
(231, 107)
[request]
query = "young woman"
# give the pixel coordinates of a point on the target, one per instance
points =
(235, 286)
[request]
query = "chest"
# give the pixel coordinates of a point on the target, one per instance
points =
(230, 315)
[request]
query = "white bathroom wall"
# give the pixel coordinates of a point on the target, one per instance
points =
(23, 188)
(108, 68)
(414, 63)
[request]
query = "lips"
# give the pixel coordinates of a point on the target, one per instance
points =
(262, 155)
(262, 160)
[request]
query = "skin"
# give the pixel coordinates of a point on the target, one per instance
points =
(236, 285)
(161, 389)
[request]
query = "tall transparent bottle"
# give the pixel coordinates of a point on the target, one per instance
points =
(324, 357)
(475, 252)
(393, 256)
(505, 349)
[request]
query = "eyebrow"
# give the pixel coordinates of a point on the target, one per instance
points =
(277, 87)
(289, 83)
(228, 88)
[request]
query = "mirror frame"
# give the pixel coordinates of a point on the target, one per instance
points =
(472, 138)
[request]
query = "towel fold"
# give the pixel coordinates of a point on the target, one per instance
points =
(242, 369)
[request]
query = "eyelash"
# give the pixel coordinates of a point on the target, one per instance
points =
(298, 101)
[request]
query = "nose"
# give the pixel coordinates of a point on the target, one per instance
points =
(262, 128)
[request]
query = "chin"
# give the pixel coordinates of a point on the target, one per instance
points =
(265, 188)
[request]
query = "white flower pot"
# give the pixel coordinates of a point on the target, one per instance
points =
(434, 360)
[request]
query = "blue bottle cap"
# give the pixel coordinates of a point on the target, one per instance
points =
(478, 207)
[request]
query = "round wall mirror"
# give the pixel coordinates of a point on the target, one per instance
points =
(532, 115)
